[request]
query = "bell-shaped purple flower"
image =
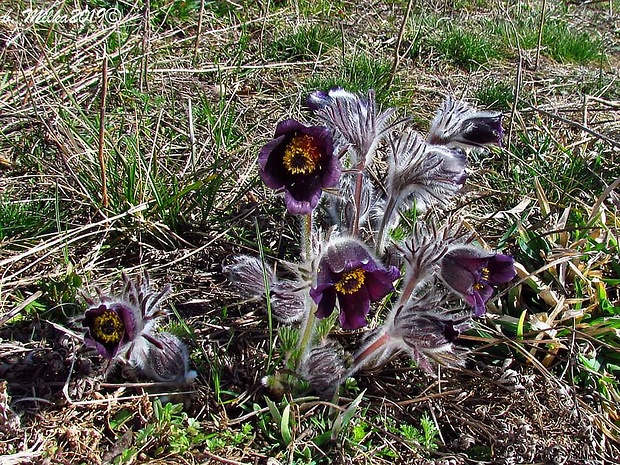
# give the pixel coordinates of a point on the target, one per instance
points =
(109, 327)
(471, 272)
(458, 124)
(348, 272)
(123, 326)
(301, 161)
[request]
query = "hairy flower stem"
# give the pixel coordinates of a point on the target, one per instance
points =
(367, 354)
(307, 327)
(358, 198)
(412, 283)
(382, 232)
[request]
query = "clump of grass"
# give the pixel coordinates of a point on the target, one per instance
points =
(328, 8)
(305, 43)
(495, 94)
(171, 12)
(358, 74)
(470, 4)
(559, 40)
(567, 45)
(465, 48)
(25, 216)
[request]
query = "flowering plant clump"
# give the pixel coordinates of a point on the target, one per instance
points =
(123, 329)
(422, 284)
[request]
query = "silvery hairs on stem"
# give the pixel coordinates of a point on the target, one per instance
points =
(340, 207)
(421, 253)
(423, 328)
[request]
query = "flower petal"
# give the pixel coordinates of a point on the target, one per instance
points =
(326, 301)
(353, 309)
(379, 283)
(501, 269)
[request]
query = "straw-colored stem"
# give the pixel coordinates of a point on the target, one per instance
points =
(102, 164)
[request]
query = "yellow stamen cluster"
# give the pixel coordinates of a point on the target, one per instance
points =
(485, 277)
(351, 281)
(301, 155)
(108, 327)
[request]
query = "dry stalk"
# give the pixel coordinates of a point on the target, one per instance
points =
(541, 26)
(102, 164)
(399, 41)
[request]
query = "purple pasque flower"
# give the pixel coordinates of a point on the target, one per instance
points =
(348, 272)
(123, 326)
(300, 159)
(458, 124)
(471, 272)
(109, 327)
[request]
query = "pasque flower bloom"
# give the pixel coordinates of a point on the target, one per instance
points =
(300, 159)
(458, 124)
(348, 272)
(122, 326)
(471, 272)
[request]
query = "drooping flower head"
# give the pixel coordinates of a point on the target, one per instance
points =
(471, 272)
(420, 175)
(323, 367)
(123, 326)
(248, 274)
(427, 331)
(458, 124)
(354, 119)
(318, 99)
(347, 272)
(427, 174)
(300, 159)
(168, 360)
(422, 328)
